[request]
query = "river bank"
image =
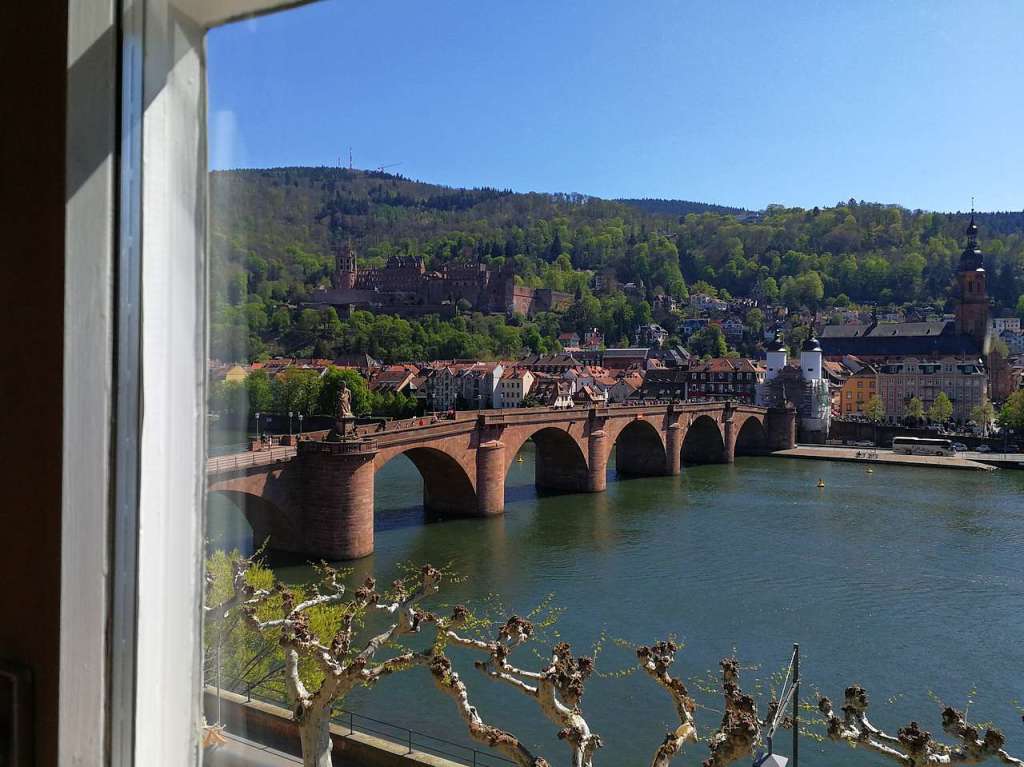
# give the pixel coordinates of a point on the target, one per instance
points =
(875, 455)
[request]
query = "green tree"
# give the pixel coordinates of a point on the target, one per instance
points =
(755, 322)
(874, 409)
(914, 410)
(709, 341)
(297, 390)
(259, 392)
(1011, 414)
(941, 410)
(229, 397)
(983, 414)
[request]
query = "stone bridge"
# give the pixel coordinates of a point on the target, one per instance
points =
(318, 501)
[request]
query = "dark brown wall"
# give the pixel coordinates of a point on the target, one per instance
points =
(33, 50)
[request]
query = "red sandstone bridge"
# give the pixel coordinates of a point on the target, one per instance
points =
(318, 500)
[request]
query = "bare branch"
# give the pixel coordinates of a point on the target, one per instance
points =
(738, 733)
(656, 662)
(912, 746)
(447, 680)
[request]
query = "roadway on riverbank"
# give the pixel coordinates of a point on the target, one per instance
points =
(872, 455)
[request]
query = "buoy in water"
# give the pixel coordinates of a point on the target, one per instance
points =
(869, 470)
(821, 483)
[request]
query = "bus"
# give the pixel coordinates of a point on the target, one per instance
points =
(922, 446)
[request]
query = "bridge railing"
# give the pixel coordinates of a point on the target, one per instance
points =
(412, 740)
(250, 458)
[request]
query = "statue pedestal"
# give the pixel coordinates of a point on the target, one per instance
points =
(343, 428)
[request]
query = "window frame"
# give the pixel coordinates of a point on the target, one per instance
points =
(135, 339)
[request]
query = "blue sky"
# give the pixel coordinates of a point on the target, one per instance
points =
(800, 103)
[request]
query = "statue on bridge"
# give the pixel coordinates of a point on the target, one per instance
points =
(343, 423)
(344, 402)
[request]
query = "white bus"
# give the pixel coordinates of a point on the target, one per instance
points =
(922, 446)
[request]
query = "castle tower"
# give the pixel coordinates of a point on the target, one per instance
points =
(777, 354)
(972, 309)
(810, 360)
(345, 267)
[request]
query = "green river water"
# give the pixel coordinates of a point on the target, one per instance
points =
(908, 581)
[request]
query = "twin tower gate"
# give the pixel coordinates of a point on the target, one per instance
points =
(319, 503)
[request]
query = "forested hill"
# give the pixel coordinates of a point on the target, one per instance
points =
(274, 233)
(680, 207)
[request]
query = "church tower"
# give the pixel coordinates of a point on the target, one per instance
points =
(972, 309)
(345, 267)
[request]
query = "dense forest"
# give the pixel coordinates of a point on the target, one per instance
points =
(274, 233)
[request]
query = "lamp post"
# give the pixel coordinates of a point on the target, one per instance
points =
(300, 425)
(257, 427)
(290, 426)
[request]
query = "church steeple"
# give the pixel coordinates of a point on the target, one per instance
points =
(972, 310)
(971, 259)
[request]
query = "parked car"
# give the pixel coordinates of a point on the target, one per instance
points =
(984, 449)
(959, 447)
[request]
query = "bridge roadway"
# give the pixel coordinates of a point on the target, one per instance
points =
(317, 500)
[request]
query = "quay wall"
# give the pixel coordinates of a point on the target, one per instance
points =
(859, 431)
(273, 726)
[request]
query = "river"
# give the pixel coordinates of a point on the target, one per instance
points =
(907, 581)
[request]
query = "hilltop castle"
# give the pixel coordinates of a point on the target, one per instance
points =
(405, 287)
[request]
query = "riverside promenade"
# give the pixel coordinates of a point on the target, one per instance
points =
(873, 455)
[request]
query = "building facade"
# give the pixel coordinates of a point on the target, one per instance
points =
(964, 382)
(860, 387)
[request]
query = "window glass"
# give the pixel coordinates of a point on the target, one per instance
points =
(412, 547)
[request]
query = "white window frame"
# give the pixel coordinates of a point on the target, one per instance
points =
(134, 433)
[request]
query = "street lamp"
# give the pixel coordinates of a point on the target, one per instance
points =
(257, 427)
(300, 425)
(290, 426)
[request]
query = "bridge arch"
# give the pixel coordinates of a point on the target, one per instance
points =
(560, 463)
(703, 442)
(639, 449)
(751, 437)
(266, 499)
(448, 489)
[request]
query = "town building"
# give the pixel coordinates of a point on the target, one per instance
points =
(855, 392)
(513, 387)
(702, 302)
(1012, 324)
(627, 357)
(1014, 341)
(651, 335)
(964, 382)
(570, 341)
(593, 339)
(477, 383)
(392, 379)
(723, 378)
(551, 392)
(442, 390)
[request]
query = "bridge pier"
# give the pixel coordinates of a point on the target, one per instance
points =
(729, 437)
(780, 428)
(673, 450)
(490, 478)
(597, 462)
(337, 500)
